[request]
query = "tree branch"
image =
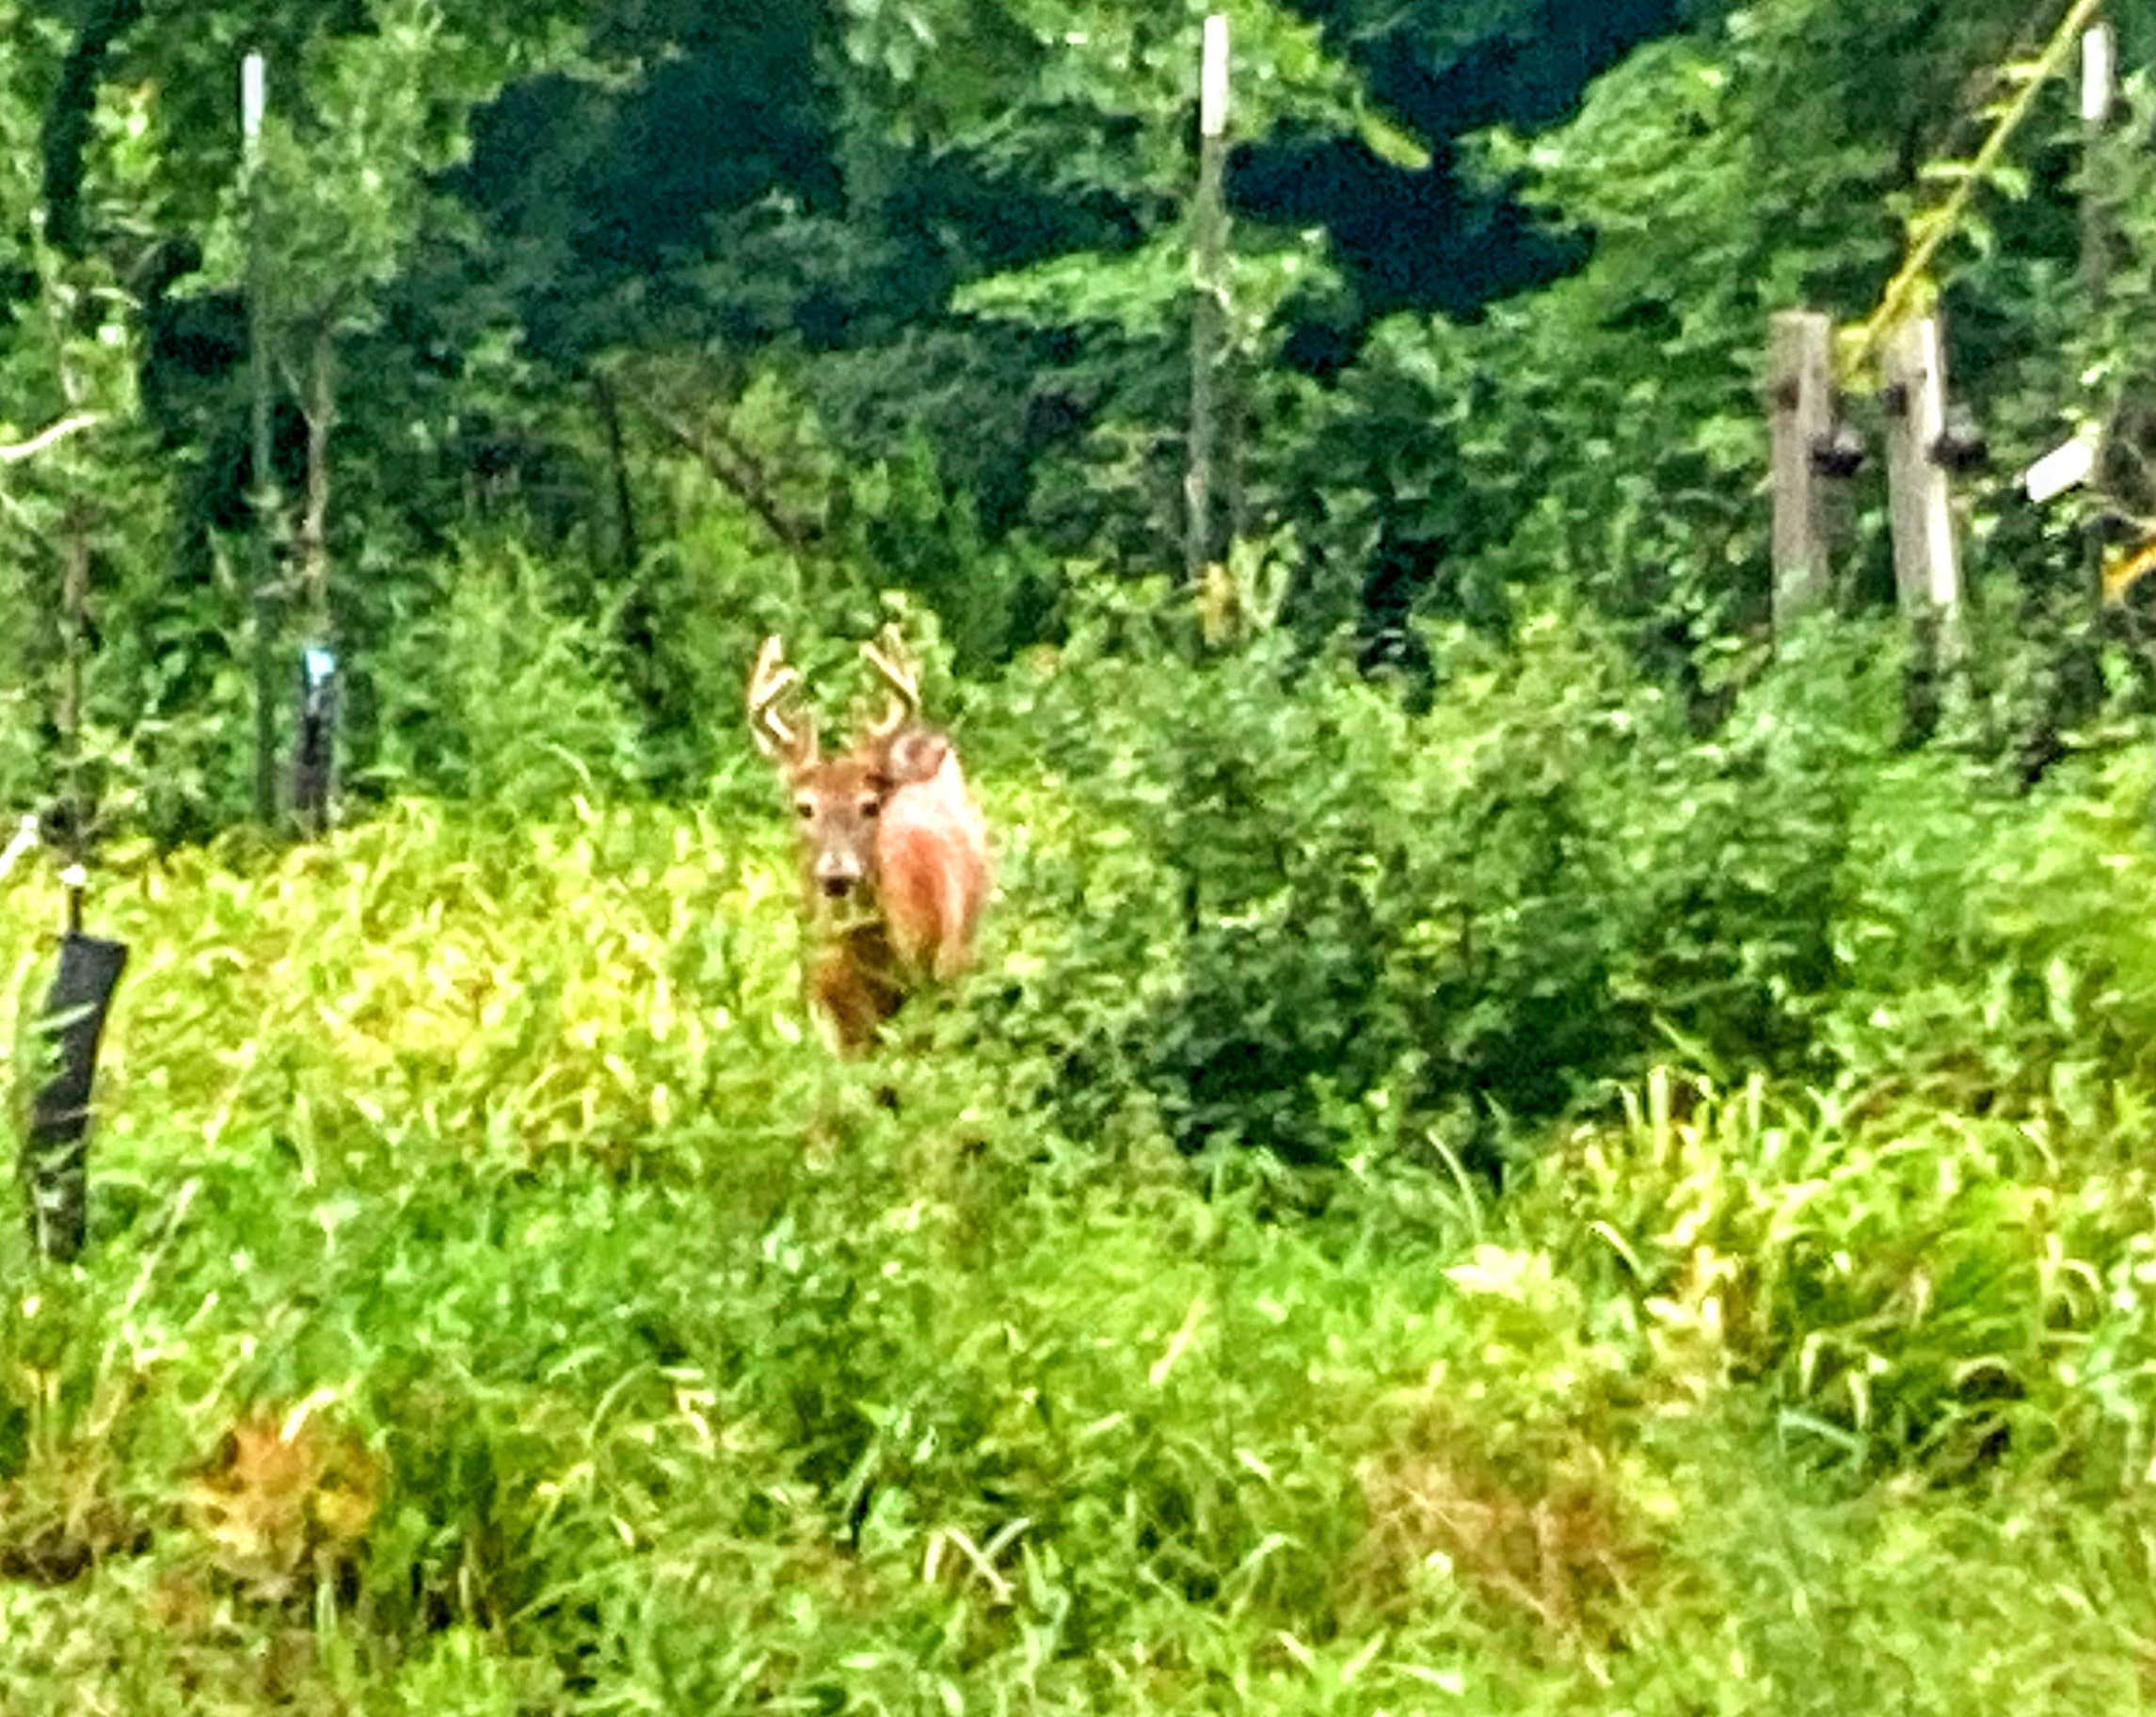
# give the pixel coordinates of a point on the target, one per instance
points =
(47, 437)
(736, 466)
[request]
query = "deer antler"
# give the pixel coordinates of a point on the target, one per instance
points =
(887, 656)
(769, 685)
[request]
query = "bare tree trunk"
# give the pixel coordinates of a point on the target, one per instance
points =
(1204, 543)
(1201, 545)
(640, 621)
(264, 504)
(74, 620)
(321, 412)
(627, 549)
(2098, 95)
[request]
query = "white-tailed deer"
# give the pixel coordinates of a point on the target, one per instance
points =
(894, 852)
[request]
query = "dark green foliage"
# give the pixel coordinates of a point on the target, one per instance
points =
(1603, 435)
(68, 119)
(1541, 883)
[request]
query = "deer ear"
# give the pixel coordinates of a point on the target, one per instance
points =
(914, 755)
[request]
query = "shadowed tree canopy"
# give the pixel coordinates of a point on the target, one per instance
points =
(1435, 237)
(730, 172)
(734, 127)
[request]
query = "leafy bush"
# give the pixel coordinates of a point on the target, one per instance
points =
(1540, 883)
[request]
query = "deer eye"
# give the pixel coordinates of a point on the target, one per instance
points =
(805, 809)
(871, 808)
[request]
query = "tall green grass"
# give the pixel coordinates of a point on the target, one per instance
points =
(497, 1301)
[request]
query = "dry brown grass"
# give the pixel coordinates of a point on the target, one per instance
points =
(283, 1501)
(1547, 1536)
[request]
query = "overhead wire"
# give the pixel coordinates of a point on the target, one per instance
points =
(1941, 223)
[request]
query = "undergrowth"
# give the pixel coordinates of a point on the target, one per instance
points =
(497, 1303)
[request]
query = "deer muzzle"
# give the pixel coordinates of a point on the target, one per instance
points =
(838, 873)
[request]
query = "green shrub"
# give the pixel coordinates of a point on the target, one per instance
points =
(1538, 885)
(499, 694)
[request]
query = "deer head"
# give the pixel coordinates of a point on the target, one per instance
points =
(838, 801)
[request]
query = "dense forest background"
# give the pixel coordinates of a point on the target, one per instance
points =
(723, 315)
(1521, 1141)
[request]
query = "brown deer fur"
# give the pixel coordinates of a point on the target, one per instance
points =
(894, 852)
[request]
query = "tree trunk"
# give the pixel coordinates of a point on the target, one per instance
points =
(626, 548)
(321, 412)
(69, 118)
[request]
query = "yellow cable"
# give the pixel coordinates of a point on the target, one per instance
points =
(1894, 300)
(2123, 573)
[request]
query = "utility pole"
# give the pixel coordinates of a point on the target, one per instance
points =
(1201, 548)
(263, 501)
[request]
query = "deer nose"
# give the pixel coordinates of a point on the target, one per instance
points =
(836, 873)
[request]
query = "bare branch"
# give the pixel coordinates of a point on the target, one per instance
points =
(736, 466)
(47, 437)
(25, 837)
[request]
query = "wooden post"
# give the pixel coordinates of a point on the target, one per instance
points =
(1927, 568)
(2099, 92)
(1201, 548)
(253, 97)
(1801, 378)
